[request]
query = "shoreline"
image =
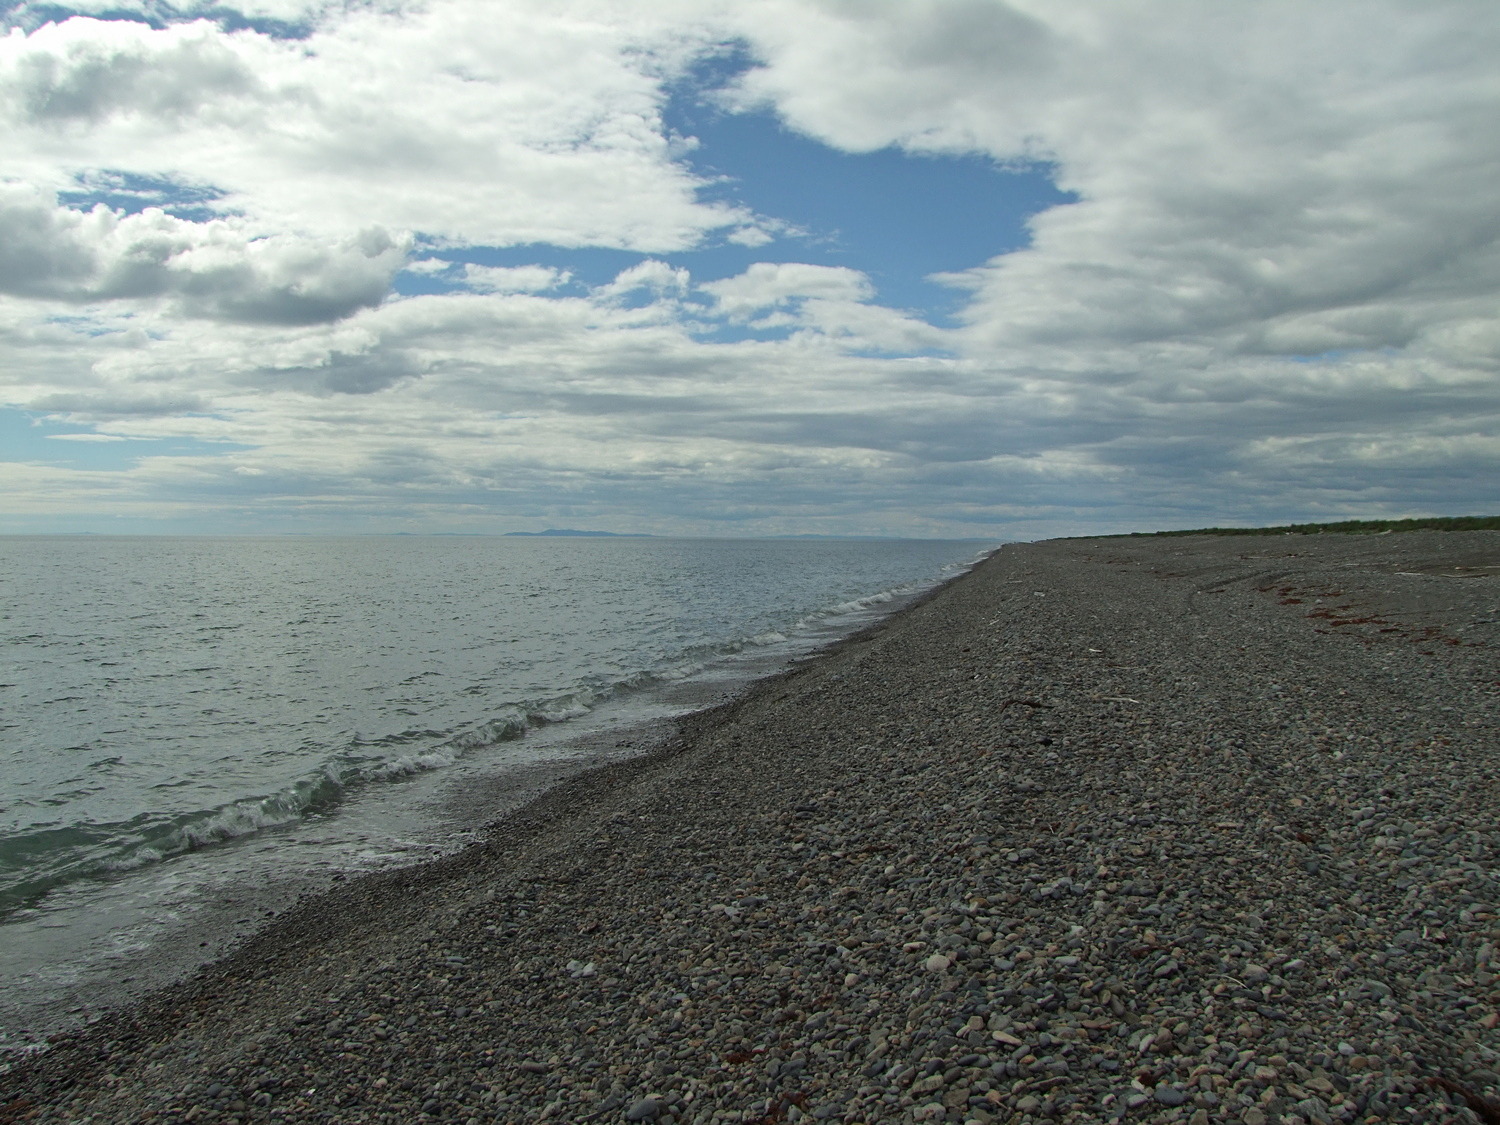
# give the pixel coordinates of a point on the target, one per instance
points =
(177, 917)
(727, 925)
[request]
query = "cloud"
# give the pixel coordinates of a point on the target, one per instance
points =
(522, 122)
(1277, 181)
(772, 284)
(339, 372)
(491, 279)
(933, 75)
(514, 279)
(752, 236)
(824, 304)
(105, 405)
(216, 269)
(28, 14)
(651, 275)
(871, 327)
(85, 72)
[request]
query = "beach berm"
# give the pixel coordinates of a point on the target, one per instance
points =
(1196, 829)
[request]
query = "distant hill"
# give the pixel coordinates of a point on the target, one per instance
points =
(1346, 527)
(568, 532)
(885, 538)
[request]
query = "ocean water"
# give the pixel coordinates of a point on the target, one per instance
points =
(195, 730)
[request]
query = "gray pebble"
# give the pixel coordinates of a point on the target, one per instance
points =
(647, 1109)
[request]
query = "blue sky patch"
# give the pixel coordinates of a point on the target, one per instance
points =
(590, 266)
(27, 16)
(133, 193)
(27, 436)
(893, 216)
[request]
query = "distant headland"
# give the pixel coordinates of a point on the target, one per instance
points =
(572, 533)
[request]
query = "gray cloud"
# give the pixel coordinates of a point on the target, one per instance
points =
(346, 373)
(110, 75)
(105, 406)
(215, 270)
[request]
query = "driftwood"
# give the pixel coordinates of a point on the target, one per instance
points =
(1487, 1109)
(1025, 703)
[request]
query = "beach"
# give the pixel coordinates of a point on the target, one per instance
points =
(1195, 829)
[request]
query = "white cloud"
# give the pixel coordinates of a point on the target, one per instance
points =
(433, 267)
(752, 236)
(514, 279)
(768, 284)
(528, 121)
(491, 279)
(827, 304)
(651, 275)
(871, 327)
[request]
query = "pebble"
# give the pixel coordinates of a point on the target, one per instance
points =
(1170, 1095)
(1249, 870)
(647, 1109)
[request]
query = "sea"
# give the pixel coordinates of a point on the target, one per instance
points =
(196, 731)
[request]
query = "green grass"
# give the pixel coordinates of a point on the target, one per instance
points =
(1347, 527)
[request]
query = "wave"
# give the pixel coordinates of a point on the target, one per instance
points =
(36, 862)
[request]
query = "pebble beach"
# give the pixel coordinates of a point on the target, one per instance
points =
(1181, 829)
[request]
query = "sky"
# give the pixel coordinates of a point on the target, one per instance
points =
(1001, 269)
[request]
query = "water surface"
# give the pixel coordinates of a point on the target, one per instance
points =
(192, 727)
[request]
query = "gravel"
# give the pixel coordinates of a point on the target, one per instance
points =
(1171, 830)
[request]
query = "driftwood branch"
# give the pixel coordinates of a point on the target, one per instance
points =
(1487, 1109)
(1025, 703)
